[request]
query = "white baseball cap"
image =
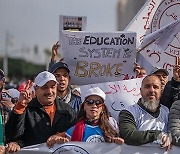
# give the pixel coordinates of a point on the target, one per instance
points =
(94, 91)
(14, 93)
(43, 77)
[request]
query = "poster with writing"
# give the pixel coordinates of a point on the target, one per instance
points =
(141, 23)
(71, 23)
(154, 15)
(119, 94)
(99, 57)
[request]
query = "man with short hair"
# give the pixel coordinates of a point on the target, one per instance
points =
(146, 121)
(162, 75)
(170, 89)
(34, 120)
(64, 92)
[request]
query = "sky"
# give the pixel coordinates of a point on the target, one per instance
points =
(36, 22)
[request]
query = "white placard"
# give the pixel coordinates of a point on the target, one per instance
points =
(99, 57)
(71, 23)
(119, 94)
(154, 15)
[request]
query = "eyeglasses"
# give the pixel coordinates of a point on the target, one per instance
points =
(91, 102)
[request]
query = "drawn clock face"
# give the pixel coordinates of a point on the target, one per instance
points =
(167, 12)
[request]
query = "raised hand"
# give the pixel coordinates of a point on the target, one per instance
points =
(26, 95)
(176, 73)
(55, 51)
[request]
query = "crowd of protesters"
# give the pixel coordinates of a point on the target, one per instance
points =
(49, 110)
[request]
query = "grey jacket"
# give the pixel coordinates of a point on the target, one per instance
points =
(174, 122)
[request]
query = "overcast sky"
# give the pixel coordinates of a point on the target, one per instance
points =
(32, 22)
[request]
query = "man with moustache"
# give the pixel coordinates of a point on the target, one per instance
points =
(146, 121)
(64, 92)
(162, 75)
(34, 120)
(170, 89)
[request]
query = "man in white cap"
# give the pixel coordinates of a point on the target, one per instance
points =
(35, 120)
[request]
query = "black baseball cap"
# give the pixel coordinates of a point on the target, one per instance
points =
(58, 65)
(157, 69)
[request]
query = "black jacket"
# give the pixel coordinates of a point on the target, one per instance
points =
(34, 125)
(171, 93)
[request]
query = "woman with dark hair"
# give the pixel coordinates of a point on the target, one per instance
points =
(94, 123)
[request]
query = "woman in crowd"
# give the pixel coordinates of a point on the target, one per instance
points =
(94, 123)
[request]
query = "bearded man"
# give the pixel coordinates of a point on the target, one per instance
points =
(146, 121)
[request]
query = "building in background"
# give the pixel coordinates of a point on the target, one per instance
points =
(126, 10)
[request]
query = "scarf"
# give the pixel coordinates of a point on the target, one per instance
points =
(78, 132)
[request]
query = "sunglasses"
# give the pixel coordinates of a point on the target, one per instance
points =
(91, 102)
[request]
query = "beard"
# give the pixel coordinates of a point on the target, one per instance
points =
(151, 105)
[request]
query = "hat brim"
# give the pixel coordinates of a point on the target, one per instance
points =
(42, 83)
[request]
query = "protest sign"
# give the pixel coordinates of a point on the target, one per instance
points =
(154, 15)
(97, 148)
(119, 94)
(155, 44)
(142, 21)
(99, 57)
(71, 23)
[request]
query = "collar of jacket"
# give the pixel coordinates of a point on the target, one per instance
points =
(60, 106)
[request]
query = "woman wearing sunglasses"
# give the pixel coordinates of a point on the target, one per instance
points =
(93, 124)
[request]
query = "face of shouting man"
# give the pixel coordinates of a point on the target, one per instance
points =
(63, 78)
(151, 92)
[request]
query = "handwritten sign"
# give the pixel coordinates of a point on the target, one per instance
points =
(154, 15)
(141, 23)
(167, 12)
(99, 57)
(119, 94)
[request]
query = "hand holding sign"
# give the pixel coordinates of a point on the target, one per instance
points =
(55, 51)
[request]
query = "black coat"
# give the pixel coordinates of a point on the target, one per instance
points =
(34, 125)
(171, 93)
